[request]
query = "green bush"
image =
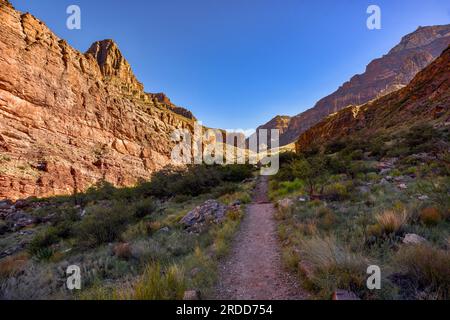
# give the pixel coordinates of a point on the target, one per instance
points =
(335, 146)
(235, 172)
(43, 240)
(103, 224)
(193, 181)
(144, 208)
(225, 188)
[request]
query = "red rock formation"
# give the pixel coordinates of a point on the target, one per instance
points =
(382, 76)
(425, 99)
(68, 119)
(280, 123)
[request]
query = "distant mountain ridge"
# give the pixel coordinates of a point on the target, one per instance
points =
(382, 76)
(426, 99)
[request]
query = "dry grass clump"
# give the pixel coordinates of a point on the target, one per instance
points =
(333, 266)
(157, 285)
(427, 268)
(327, 218)
(391, 221)
(13, 265)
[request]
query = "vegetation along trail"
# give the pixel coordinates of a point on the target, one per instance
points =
(253, 270)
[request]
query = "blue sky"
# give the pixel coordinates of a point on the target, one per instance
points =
(238, 63)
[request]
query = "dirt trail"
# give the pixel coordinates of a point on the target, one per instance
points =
(253, 270)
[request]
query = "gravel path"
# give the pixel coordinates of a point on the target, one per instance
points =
(253, 270)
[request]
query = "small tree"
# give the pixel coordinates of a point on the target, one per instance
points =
(313, 171)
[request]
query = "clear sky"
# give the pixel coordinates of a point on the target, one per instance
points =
(238, 63)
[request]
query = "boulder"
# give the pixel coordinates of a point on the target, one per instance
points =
(210, 211)
(412, 238)
(20, 220)
(5, 205)
(364, 189)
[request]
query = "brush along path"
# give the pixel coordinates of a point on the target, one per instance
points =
(254, 270)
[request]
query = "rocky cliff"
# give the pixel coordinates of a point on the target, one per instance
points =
(68, 119)
(425, 99)
(382, 76)
(280, 123)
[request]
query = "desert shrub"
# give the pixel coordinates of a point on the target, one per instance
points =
(335, 146)
(225, 188)
(122, 251)
(287, 187)
(44, 254)
(430, 216)
(327, 218)
(103, 224)
(102, 190)
(136, 231)
(245, 198)
(357, 155)
(43, 240)
(235, 172)
(339, 164)
(375, 230)
(287, 157)
(427, 268)
(337, 191)
(144, 208)
(309, 228)
(181, 198)
(312, 171)
(378, 147)
(421, 137)
(234, 214)
(153, 226)
(333, 266)
(194, 180)
(372, 176)
(158, 285)
(150, 249)
(359, 167)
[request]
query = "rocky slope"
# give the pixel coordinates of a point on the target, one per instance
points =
(382, 76)
(425, 99)
(279, 122)
(68, 119)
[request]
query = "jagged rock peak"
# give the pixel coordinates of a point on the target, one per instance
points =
(421, 37)
(6, 3)
(113, 65)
